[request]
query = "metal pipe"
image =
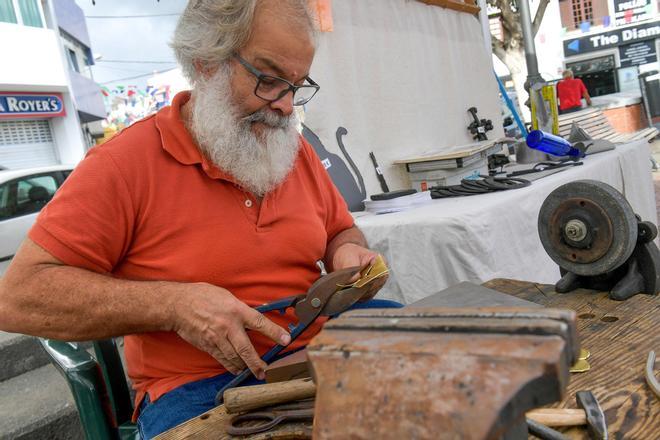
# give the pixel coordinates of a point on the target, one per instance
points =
(533, 75)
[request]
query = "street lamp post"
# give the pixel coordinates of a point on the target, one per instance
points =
(533, 75)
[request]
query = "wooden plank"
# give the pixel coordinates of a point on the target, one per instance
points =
(619, 336)
(212, 425)
(601, 132)
(579, 121)
(456, 152)
(581, 118)
(648, 133)
(293, 366)
(597, 124)
(568, 119)
(589, 124)
(454, 5)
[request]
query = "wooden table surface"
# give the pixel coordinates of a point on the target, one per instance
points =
(619, 336)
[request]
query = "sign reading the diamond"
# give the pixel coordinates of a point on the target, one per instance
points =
(615, 38)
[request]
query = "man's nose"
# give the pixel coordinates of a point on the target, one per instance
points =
(284, 104)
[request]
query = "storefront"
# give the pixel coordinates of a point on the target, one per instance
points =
(27, 137)
(610, 62)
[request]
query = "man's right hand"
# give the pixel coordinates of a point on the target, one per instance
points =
(214, 320)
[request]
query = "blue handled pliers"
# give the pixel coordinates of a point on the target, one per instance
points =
(328, 296)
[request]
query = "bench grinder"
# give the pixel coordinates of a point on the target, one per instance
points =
(590, 230)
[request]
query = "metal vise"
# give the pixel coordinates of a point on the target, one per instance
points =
(436, 373)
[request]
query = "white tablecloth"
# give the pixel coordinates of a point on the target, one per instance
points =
(487, 236)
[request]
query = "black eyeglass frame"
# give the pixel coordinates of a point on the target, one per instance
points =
(292, 87)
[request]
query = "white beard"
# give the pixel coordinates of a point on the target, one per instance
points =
(259, 163)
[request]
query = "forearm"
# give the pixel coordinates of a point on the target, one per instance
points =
(68, 303)
(351, 235)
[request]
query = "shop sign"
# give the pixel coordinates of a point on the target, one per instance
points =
(612, 39)
(31, 105)
(631, 11)
(642, 52)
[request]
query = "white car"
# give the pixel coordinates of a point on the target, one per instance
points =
(22, 195)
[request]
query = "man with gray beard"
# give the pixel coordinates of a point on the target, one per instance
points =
(173, 230)
(259, 161)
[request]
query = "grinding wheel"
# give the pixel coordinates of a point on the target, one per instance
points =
(587, 227)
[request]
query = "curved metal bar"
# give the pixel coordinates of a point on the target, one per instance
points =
(650, 375)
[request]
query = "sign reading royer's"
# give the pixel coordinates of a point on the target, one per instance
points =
(31, 105)
(612, 39)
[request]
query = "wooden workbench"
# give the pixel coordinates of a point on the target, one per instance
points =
(619, 336)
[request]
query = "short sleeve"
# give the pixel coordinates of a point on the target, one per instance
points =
(338, 218)
(90, 220)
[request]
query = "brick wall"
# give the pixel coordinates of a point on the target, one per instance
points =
(599, 12)
(627, 119)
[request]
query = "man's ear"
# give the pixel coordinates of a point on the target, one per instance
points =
(203, 69)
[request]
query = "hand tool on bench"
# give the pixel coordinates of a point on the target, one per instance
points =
(589, 413)
(271, 417)
(328, 296)
(243, 399)
(650, 375)
(543, 432)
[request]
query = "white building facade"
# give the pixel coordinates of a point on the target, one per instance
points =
(48, 100)
(609, 42)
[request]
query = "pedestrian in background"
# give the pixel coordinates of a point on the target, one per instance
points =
(570, 92)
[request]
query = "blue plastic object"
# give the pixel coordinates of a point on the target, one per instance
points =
(512, 107)
(551, 144)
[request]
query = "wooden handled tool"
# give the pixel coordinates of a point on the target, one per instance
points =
(258, 396)
(558, 416)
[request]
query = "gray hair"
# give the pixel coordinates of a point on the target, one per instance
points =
(210, 31)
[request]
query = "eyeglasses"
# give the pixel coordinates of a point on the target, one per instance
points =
(271, 88)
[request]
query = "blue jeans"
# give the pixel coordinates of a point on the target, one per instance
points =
(195, 398)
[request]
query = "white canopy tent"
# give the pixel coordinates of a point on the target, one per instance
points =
(399, 75)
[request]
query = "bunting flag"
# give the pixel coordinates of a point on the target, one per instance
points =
(628, 15)
(606, 21)
(323, 9)
(585, 26)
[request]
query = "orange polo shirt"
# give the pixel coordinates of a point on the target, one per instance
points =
(148, 206)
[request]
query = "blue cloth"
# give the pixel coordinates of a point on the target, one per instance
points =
(195, 398)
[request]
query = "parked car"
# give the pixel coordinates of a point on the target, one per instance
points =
(22, 195)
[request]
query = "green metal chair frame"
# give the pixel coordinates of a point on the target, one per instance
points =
(98, 386)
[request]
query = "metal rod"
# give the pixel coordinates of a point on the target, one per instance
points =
(533, 75)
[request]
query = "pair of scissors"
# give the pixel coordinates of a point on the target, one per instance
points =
(329, 295)
(271, 417)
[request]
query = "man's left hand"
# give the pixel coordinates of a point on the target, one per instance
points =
(351, 255)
